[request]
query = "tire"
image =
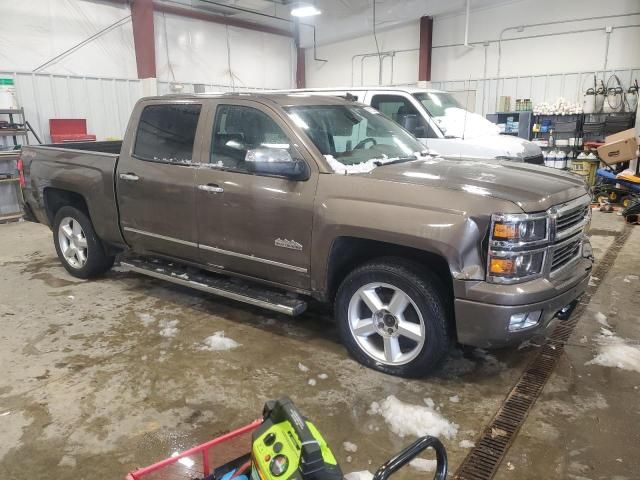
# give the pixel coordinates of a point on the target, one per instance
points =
(86, 256)
(421, 346)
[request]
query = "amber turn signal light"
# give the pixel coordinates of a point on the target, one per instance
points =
(504, 230)
(501, 266)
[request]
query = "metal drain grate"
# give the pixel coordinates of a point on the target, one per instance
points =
(483, 460)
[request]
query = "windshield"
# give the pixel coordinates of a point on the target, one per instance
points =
(437, 103)
(453, 119)
(353, 138)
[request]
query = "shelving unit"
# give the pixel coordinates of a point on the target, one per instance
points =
(11, 200)
(523, 118)
(15, 132)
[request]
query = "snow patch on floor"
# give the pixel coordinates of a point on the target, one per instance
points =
(423, 464)
(312, 382)
(601, 318)
(615, 352)
(630, 278)
(466, 444)
(407, 419)
(362, 475)
(168, 328)
(454, 399)
(323, 376)
(303, 368)
(350, 447)
(146, 319)
(218, 342)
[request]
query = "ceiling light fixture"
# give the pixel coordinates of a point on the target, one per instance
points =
(305, 10)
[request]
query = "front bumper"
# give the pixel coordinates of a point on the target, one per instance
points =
(482, 317)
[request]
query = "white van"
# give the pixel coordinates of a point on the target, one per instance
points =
(440, 122)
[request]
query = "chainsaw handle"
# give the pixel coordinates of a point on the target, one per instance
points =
(412, 451)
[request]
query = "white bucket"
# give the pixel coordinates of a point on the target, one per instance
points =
(631, 99)
(589, 101)
(8, 98)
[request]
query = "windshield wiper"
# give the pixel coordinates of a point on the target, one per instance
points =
(380, 163)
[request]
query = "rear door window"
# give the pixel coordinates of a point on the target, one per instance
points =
(166, 133)
(401, 110)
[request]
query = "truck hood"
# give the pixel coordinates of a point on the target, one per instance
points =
(485, 147)
(533, 188)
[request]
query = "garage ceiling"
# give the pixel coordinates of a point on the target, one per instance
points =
(340, 19)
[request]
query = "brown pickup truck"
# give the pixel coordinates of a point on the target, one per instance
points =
(275, 199)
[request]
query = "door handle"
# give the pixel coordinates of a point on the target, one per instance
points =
(129, 177)
(211, 188)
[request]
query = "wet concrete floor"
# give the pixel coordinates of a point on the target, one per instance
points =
(104, 376)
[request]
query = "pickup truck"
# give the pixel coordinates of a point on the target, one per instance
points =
(276, 199)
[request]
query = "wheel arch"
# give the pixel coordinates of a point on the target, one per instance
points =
(56, 198)
(347, 253)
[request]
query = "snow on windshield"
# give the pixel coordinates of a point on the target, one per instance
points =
(366, 167)
(458, 122)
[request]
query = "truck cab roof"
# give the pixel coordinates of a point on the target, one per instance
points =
(282, 99)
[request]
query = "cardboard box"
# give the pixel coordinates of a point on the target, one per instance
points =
(619, 147)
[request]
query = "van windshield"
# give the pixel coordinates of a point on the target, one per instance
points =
(353, 138)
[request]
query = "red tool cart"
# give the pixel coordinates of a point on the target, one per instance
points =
(69, 130)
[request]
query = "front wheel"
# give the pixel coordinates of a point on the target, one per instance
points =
(80, 250)
(392, 318)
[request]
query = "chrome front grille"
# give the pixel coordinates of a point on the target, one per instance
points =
(570, 221)
(565, 253)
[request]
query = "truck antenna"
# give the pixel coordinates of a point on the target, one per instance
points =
(466, 110)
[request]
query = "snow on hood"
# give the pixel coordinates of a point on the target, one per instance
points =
(458, 122)
(366, 167)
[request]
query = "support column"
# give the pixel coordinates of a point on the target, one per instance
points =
(426, 41)
(143, 37)
(300, 56)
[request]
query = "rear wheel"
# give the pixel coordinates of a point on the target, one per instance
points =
(80, 250)
(392, 318)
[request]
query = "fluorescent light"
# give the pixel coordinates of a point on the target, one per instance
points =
(305, 11)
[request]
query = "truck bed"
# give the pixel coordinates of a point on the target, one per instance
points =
(84, 169)
(111, 146)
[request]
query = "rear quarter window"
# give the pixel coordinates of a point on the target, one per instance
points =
(166, 133)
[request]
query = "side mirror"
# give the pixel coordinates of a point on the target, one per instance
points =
(276, 162)
(410, 122)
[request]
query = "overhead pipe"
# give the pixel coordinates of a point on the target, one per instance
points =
(389, 53)
(520, 28)
(466, 24)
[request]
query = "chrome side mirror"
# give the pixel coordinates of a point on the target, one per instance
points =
(276, 162)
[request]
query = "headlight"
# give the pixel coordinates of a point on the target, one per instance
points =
(518, 229)
(516, 247)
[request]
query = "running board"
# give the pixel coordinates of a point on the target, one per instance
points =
(226, 287)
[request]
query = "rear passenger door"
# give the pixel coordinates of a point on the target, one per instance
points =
(155, 180)
(249, 223)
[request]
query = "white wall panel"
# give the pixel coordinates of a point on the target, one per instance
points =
(35, 31)
(195, 51)
(106, 103)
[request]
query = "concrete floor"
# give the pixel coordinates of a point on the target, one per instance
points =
(104, 376)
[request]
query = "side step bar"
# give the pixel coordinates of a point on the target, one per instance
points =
(216, 284)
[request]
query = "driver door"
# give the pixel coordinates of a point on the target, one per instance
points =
(252, 224)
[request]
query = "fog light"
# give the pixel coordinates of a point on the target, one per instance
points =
(520, 321)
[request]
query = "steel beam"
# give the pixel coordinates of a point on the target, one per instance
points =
(426, 42)
(144, 38)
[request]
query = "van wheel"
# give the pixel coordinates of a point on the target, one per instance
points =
(78, 247)
(392, 318)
